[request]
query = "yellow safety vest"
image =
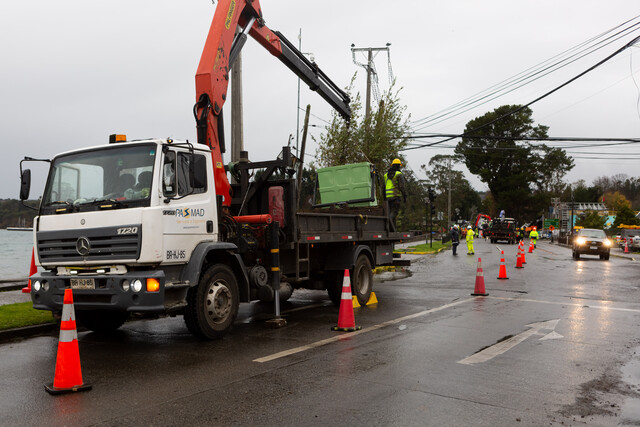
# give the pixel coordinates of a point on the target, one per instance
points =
(391, 185)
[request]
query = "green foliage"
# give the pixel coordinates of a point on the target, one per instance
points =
(377, 139)
(625, 215)
(591, 219)
(22, 314)
(14, 214)
(463, 197)
(518, 174)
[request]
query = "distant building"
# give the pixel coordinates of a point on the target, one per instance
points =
(563, 212)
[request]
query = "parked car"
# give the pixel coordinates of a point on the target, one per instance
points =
(591, 241)
(629, 236)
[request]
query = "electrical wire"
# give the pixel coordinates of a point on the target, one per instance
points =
(526, 77)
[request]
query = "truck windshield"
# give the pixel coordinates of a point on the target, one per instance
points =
(121, 175)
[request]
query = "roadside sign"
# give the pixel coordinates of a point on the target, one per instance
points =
(551, 228)
(551, 222)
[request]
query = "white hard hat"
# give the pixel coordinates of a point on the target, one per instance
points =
(469, 227)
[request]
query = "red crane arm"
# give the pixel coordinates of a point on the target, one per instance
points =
(212, 77)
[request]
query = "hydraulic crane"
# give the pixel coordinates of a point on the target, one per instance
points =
(221, 48)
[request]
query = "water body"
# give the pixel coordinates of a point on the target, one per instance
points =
(15, 255)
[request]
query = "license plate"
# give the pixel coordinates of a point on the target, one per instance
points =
(83, 284)
(593, 247)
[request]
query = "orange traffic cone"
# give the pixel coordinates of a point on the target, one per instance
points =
(524, 259)
(626, 246)
(68, 377)
(33, 270)
(346, 321)
(530, 247)
(519, 257)
(502, 273)
(479, 290)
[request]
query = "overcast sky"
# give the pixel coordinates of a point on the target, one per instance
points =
(74, 71)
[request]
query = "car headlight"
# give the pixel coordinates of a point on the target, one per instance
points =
(607, 242)
(581, 240)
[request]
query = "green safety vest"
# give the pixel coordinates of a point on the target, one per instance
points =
(391, 185)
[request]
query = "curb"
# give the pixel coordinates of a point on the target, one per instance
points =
(28, 331)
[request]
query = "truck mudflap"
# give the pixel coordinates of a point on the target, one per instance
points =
(107, 292)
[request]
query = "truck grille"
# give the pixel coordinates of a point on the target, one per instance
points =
(94, 244)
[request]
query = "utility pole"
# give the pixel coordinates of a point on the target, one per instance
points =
(449, 198)
(237, 133)
(298, 109)
(370, 68)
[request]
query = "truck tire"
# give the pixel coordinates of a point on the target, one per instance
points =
(103, 322)
(362, 279)
(212, 306)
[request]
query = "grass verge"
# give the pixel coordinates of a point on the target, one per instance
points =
(425, 248)
(23, 314)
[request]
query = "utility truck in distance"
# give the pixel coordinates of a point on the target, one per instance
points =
(154, 226)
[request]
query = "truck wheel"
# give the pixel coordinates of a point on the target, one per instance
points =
(103, 322)
(362, 279)
(212, 306)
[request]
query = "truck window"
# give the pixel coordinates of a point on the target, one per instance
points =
(169, 188)
(186, 173)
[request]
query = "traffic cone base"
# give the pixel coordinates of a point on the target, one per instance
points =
(68, 375)
(372, 299)
(479, 288)
(346, 320)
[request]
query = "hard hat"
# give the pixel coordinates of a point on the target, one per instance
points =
(396, 162)
(534, 228)
(469, 227)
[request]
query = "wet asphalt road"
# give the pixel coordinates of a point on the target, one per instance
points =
(558, 343)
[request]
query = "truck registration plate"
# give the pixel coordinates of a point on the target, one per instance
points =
(593, 248)
(83, 284)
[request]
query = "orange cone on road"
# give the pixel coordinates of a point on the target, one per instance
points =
(524, 259)
(68, 376)
(502, 273)
(626, 246)
(33, 270)
(346, 320)
(479, 290)
(530, 247)
(519, 257)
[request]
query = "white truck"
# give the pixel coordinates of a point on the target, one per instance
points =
(154, 226)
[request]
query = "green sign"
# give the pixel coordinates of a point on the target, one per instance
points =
(555, 222)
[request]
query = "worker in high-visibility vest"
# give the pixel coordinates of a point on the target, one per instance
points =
(533, 236)
(470, 241)
(394, 191)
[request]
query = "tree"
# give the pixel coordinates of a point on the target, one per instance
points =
(615, 201)
(519, 175)
(591, 219)
(463, 196)
(377, 140)
(626, 216)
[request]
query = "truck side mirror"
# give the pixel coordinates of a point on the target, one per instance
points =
(25, 184)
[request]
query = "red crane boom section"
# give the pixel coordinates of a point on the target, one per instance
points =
(212, 77)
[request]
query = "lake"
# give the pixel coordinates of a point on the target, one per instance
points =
(15, 255)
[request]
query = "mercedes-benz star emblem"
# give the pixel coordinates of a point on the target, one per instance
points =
(83, 246)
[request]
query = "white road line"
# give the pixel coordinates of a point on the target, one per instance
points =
(573, 304)
(336, 338)
(503, 346)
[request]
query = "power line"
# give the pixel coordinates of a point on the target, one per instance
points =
(593, 67)
(527, 76)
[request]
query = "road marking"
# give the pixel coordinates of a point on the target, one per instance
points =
(573, 304)
(551, 336)
(506, 345)
(348, 335)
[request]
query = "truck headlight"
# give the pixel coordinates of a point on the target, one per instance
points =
(581, 240)
(136, 285)
(37, 285)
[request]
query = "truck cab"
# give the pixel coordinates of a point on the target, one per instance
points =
(123, 220)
